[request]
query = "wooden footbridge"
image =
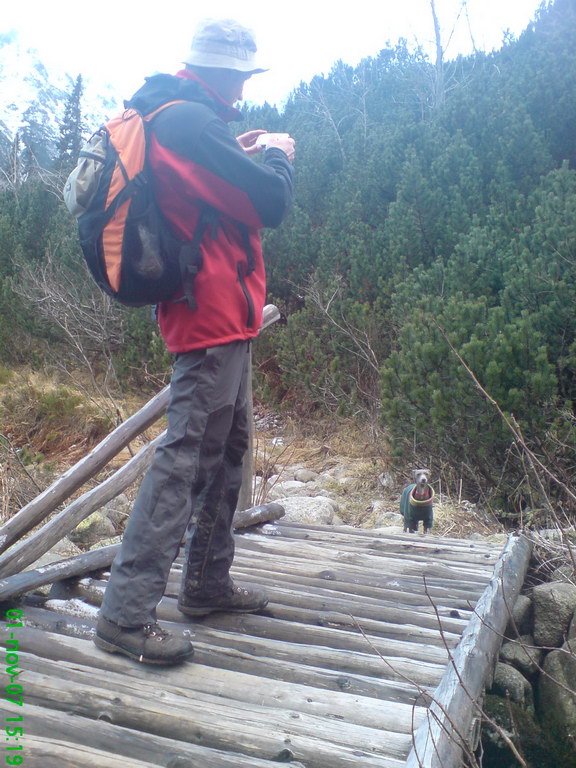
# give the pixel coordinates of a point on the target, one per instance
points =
(373, 652)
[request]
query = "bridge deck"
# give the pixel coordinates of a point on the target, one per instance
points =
(337, 672)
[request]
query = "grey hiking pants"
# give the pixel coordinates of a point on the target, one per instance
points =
(193, 483)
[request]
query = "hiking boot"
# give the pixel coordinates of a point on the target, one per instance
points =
(149, 644)
(236, 600)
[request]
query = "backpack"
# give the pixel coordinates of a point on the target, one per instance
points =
(127, 244)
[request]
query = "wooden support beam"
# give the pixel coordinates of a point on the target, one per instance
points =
(40, 507)
(20, 583)
(27, 551)
(445, 733)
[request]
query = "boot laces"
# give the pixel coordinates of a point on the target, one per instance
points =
(155, 630)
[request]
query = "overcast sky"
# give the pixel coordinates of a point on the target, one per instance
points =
(121, 41)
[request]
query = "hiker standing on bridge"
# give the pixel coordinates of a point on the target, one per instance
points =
(208, 188)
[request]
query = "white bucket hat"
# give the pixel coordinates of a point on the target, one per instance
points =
(224, 44)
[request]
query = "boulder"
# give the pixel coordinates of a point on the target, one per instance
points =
(316, 510)
(389, 518)
(520, 621)
(92, 530)
(557, 693)
(554, 606)
(118, 511)
(564, 572)
(522, 728)
(60, 551)
(509, 681)
(523, 655)
(286, 488)
(305, 475)
(386, 479)
(392, 529)
(572, 628)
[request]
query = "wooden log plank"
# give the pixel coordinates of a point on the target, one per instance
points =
(439, 740)
(318, 742)
(462, 559)
(333, 602)
(374, 610)
(426, 540)
(77, 648)
(289, 528)
(379, 563)
(132, 744)
(282, 531)
(245, 518)
(266, 627)
(40, 507)
(357, 605)
(20, 583)
(192, 682)
(247, 571)
(48, 752)
(17, 584)
(93, 591)
(331, 570)
(27, 551)
(353, 576)
(363, 661)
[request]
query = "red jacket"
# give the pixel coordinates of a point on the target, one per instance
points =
(197, 162)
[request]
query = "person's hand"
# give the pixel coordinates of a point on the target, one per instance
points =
(285, 143)
(248, 141)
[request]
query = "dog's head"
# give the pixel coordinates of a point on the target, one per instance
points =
(421, 477)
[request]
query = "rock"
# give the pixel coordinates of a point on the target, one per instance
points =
(90, 531)
(518, 724)
(317, 510)
(388, 529)
(557, 697)
(340, 470)
(106, 542)
(564, 572)
(286, 488)
(572, 628)
(60, 551)
(389, 518)
(522, 654)
(118, 511)
(509, 681)
(305, 475)
(385, 479)
(520, 621)
(554, 606)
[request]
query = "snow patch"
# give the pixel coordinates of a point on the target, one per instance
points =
(73, 607)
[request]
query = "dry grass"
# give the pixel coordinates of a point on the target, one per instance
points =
(325, 445)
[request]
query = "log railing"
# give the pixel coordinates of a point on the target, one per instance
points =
(448, 730)
(27, 550)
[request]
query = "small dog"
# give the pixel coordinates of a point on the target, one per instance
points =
(416, 502)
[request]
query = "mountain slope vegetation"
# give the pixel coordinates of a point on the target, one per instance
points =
(427, 270)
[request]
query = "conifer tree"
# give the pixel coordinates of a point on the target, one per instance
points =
(71, 129)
